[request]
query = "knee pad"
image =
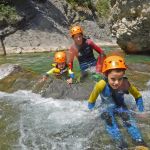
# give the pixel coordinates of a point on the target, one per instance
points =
(125, 117)
(106, 116)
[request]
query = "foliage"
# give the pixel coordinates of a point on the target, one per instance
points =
(8, 13)
(79, 2)
(103, 7)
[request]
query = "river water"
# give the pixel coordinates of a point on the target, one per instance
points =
(31, 122)
(38, 123)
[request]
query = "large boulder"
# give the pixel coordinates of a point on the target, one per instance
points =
(13, 77)
(7, 69)
(46, 26)
(59, 89)
(131, 25)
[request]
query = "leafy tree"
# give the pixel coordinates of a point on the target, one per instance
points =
(80, 2)
(8, 13)
(103, 7)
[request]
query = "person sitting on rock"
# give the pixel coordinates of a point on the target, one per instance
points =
(60, 68)
(83, 50)
(112, 90)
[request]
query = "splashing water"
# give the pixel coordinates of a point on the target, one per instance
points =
(50, 124)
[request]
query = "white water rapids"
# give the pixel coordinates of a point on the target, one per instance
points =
(52, 124)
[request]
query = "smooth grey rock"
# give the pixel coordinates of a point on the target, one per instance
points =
(7, 69)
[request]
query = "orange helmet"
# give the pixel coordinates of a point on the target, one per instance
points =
(113, 62)
(60, 57)
(75, 30)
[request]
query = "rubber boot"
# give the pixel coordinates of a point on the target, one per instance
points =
(121, 145)
(140, 142)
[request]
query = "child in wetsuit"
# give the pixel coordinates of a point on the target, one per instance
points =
(60, 69)
(112, 90)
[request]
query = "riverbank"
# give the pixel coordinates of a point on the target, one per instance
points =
(38, 49)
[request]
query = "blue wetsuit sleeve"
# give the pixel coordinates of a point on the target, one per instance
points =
(138, 97)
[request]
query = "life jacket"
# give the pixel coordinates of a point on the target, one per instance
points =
(111, 96)
(61, 72)
(85, 53)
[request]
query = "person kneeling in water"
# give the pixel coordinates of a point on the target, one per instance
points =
(112, 90)
(60, 69)
(83, 49)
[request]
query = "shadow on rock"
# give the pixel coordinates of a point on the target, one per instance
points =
(59, 89)
(13, 78)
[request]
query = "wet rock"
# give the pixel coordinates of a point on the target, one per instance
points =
(21, 83)
(59, 89)
(139, 75)
(7, 69)
(140, 67)
(13, 77)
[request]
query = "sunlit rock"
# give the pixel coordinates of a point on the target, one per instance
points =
(131, 25)
(7, 69)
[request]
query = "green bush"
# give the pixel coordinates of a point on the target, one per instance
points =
(8, 13)
(79, 2)
(103, 7)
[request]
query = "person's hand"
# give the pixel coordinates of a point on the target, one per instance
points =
(69, 81)
(139, 103)
(44, 78)
(91, 105)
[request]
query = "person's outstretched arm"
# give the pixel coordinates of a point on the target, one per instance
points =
(138, 97)
(71, 54)
(95, 47)
(96, 91)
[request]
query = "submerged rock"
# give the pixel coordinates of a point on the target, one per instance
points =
(14, 77)
(139, 74)
(7, 69)
(58, 88)
(17, 78)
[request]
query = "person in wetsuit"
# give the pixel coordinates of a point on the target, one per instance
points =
(82, 49)
(60, 68)
(112, 90)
